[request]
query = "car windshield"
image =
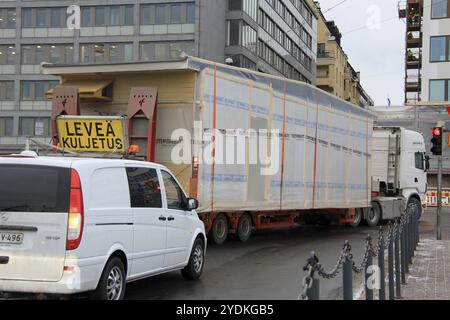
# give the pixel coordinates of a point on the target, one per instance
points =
(25, 188)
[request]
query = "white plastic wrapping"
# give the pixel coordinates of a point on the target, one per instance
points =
(327, 144)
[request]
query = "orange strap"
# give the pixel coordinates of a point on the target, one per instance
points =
(283, 144)
(214, 138)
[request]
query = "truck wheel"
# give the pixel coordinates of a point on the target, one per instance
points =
(194, 269)
(417, 204)
(357, 219)
(219, 230)
(374, 215)
(244, 230)
(112, 282)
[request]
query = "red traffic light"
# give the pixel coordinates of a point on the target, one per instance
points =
(436, 131)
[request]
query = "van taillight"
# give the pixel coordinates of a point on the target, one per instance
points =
(76, 212)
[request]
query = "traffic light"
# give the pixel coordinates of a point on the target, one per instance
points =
(436, 141)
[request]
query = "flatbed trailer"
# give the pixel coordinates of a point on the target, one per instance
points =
(319, 167)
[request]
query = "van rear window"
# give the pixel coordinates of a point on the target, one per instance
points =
(25, 188)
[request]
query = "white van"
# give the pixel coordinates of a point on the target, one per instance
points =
(70, 225)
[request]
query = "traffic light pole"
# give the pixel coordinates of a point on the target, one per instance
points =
(439, 199)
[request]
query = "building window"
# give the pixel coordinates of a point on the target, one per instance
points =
(34, 127)
(7, 18)
(165, 51)
(57, 53)
(129, 15)
(106, 52)
(190, 13)
(114, 16)
(35, 90)
(6, 127)
(27, 17)
(145, 14)
(439, 90)
(40, 17)
(440, 9)
(55, 18)
(160, 14)
(234, 32)
(321, 50)
(86, 19)
(175, 13)
(7, 54)
(43, 17)
(440, 49)
(6, 90)
(100, 18)
(240, 33)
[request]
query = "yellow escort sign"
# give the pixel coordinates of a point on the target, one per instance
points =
(92, 134)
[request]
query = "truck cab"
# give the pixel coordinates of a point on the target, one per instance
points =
(399, 168)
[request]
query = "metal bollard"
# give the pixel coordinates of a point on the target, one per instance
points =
(348, 279)
(411, 237)
(313, 292)
(413, 233)
(407, 243)
(381, 265)
(406, 229)
(391, 265)
(417, 230)
(398, 286)
(369, 291)
(403, 254)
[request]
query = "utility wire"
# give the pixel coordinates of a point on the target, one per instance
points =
(335, 6)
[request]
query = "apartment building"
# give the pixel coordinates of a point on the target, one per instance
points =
(334, 72)
(272, 36)
(436, 51)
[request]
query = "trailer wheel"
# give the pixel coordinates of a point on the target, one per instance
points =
(244, 230)
(357, 219)
(219, 230)
(374, 215)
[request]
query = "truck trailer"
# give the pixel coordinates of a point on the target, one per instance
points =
(256, 150)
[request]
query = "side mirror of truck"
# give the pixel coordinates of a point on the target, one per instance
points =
(427, 163)
(192, 204)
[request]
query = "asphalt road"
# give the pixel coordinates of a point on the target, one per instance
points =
(268, 267)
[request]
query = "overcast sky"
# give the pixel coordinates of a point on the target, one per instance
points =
(374, 39)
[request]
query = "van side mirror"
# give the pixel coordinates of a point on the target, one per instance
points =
(192, 204)
(427, 163)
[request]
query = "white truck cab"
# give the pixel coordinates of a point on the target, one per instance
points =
(70, 225)
(399, 170)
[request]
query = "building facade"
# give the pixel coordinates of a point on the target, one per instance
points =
(334, 72)
(436, 51)
(273, 36)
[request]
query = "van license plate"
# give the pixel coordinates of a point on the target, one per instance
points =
(11, 237)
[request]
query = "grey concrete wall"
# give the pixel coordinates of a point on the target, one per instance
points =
(212, 29)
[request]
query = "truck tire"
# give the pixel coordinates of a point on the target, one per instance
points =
(112, 282)
(244, 230)
(219, 230)
(194, 269)
(415, 202)
(357, 219)
(374, 215)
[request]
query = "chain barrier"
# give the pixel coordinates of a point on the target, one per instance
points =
(386, 238)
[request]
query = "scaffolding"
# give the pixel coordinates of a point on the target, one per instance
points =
(412, 12)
